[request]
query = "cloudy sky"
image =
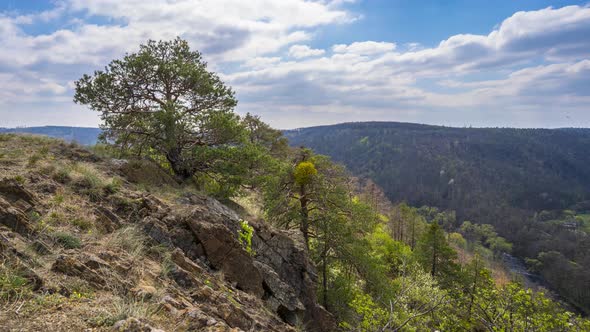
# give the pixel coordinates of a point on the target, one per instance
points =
(298, 63)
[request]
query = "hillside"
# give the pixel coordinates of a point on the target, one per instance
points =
(93, 243)
(533, 185)
(80, 135)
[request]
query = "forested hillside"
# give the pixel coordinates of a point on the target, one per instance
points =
(81, 135)
(533, 185)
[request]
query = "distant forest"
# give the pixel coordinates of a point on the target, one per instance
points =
(81, 135)
(533, 185)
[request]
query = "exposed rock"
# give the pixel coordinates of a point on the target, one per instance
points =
(84, 266)
(181, 260)
(14, 218)
(235, 317)
(13, 191)
(41, 247)
(107, 219)
(286, 255)
(143, 292)
(281, 297)
(225, 253)
(133, 325)
(280, 273)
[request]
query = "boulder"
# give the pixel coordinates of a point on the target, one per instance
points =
(286, 257)
(225, 253)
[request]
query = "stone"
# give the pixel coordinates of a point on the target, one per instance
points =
(13, 191)
(107, 219)
(235, 317)
(225, 253)
(144, 292)
(83, 266)
(15, 219)
(133, 325)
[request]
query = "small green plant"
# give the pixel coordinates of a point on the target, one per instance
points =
(58, 199)
(12, 283)
(34, 216)
(20, 179)
(245, 236)
(82, 223)
(62, 175)
(33, 159)
(67, 240)
(44, 150)
(114, 186)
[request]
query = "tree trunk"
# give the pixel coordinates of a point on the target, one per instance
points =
(304, 227)
(180, 170)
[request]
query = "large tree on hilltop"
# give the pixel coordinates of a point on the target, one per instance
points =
(162, 100)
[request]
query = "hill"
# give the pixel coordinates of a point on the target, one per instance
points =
(93, 243)
(81, 135)
(533, 185)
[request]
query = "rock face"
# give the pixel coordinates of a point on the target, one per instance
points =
(15, 201)
(279, 273)
(14, 218)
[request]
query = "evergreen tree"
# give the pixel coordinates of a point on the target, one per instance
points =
(435, 254)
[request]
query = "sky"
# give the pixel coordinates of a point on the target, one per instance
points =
(299, 63)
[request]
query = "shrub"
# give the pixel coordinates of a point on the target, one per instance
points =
(82, 223)
(62, 175)
(12, 283)
(114, 186)
(20, 179)
(33, 159)
(67, 240)
(245, 236)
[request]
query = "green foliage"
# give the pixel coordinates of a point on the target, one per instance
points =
(304, 172)
(66, 240)
(436, 256)
(532, 185)
(183, 112)
(245, 236)
(13, 283)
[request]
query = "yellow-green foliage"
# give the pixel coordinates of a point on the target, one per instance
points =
(245, 236)
(304, 172)
(12, 283)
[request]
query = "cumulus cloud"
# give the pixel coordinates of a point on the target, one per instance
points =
(364, 48)
(531, 62)
(304, 51)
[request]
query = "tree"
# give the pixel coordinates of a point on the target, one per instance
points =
(162, 100)
(435, 254)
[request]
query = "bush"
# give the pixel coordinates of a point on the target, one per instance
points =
(33, 159)
(67, 240)
(245, 236)
(12, 283)
(62, 175)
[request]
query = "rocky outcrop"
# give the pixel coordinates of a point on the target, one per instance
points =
(279, 273)
(225, 253)
(16, 193)
(14, 218)
(91, 268)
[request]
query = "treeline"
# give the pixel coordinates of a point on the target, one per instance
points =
(512, 179)
(381, 267)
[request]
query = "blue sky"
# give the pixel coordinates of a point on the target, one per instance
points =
(299, 63)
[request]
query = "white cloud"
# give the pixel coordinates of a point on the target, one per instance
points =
(364, 48)
(304, 51)
(538, 60)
